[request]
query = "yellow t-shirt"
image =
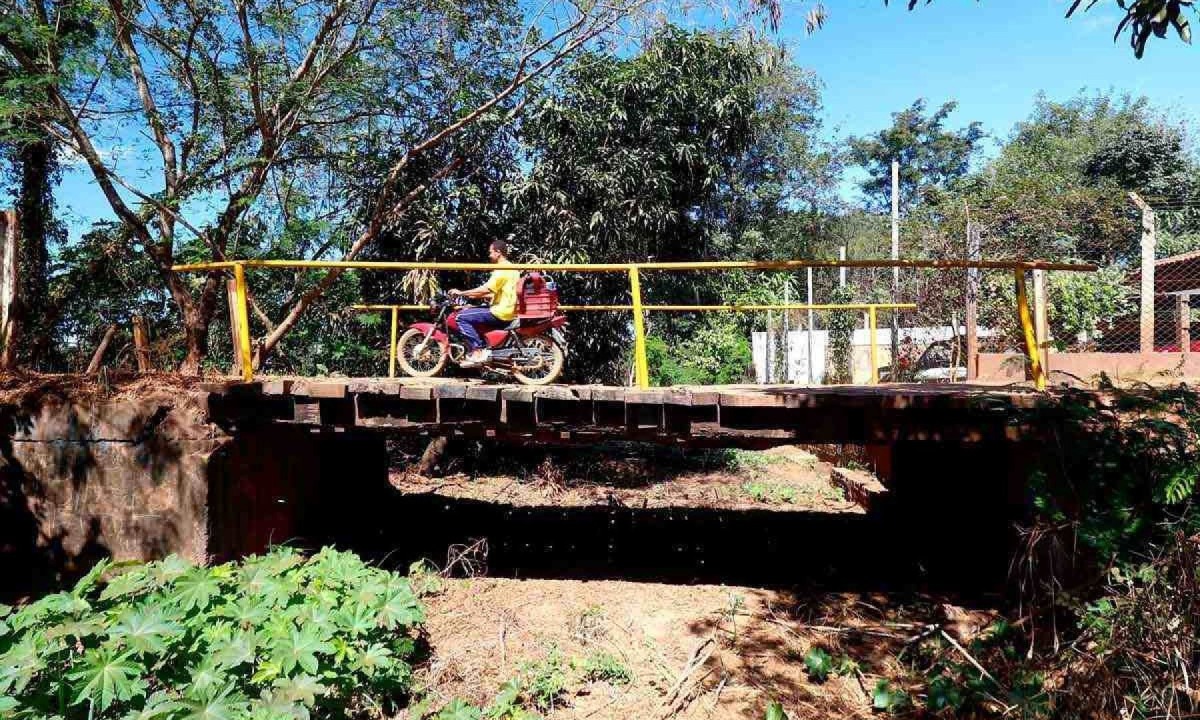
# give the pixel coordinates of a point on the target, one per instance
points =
(503, 284)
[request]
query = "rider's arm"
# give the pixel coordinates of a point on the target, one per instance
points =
(478, 293)
(485, 290)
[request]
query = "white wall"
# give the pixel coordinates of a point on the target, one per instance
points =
(860, 344)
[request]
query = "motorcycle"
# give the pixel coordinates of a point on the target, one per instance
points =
(531, 349)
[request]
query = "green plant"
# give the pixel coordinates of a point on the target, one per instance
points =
(840, 324)
(775, 712)
(605, 667)
(425, 578)
(274, 636)
(770, 492)
(888, 698)
(818, 663)
(544, 681)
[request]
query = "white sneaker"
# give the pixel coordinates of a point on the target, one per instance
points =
(475, 358)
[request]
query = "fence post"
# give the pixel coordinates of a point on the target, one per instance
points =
(1183, 308)
(1149, 232)
(392, 347)
(1026, 318)
(641, 369)
(872, 325)
(1041, 318)
(242, 333)
(141, 344)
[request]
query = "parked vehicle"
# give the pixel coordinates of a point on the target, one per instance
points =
(941, 361)
(532, 348)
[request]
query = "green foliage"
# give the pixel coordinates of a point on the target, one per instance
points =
(1083, 305)
(888, 698)
(717, 352)
(930, 155)
(544, 681)
(840, 324)
(268, 637)
(775, 493)
(605, 667)
(818, 663)
(775, 711)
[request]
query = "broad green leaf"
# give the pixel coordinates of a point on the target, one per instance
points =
(400, 608)
(300, 648)
(302, 689)
(224, 705)
(775, 711)
(238, 650)
(376, 657)
(145, 630)
(459, 710)
(167, 570)
(157, 705)
(818, 663)
(20, 665)
(132, 582)
(195, 590)
(88, 581)
(106, 677)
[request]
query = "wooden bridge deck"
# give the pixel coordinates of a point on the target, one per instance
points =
(714, 415)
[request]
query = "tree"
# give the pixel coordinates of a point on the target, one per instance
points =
(238, 95)
(930, 156)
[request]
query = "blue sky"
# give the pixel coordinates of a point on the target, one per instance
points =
(992, 56)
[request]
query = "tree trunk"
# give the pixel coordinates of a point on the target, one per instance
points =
(432, 457)
(35, 204)
(98, 356)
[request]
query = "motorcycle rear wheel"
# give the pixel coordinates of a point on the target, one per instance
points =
(553, 360)
(420, 362)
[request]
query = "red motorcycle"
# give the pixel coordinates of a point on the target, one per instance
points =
(532, 348)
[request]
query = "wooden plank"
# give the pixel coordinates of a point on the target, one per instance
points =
(330, 390)
(483, 393)
(416, 392)
(450, 391)
(278, 387)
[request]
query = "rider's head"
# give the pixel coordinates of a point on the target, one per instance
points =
(497, 249)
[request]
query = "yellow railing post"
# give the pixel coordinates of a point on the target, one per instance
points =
(641, 369)
(873, 325)
(392, 347)
(1031, 346)
(243, 321)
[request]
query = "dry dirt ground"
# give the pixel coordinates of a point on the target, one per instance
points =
(784, 478)
(690, 652)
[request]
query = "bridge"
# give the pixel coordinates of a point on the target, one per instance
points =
(737, 415)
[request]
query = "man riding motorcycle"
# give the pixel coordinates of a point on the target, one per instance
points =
(501, 290)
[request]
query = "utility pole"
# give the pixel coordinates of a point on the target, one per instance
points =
(842, 268)
(787, 329)
(812, 329)
(1149, 232)
(973, 253)
(895, 256)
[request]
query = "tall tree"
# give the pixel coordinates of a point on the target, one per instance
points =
(239, 95)
(930, 155)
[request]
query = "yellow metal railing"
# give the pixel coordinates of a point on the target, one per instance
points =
(641, 370)
(640, 361)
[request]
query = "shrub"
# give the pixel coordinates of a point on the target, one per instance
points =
(271, 637)
(605, 667)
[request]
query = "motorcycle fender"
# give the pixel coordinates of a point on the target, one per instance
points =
(438, 335)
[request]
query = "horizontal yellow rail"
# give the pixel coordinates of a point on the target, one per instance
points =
(646, 266)
(685, 308)
(641, 371)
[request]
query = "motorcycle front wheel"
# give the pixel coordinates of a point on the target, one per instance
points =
(419, 358)
(549, 365)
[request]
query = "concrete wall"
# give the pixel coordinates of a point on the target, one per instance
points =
(1010, 367)
(84, 476)
(139, 475)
